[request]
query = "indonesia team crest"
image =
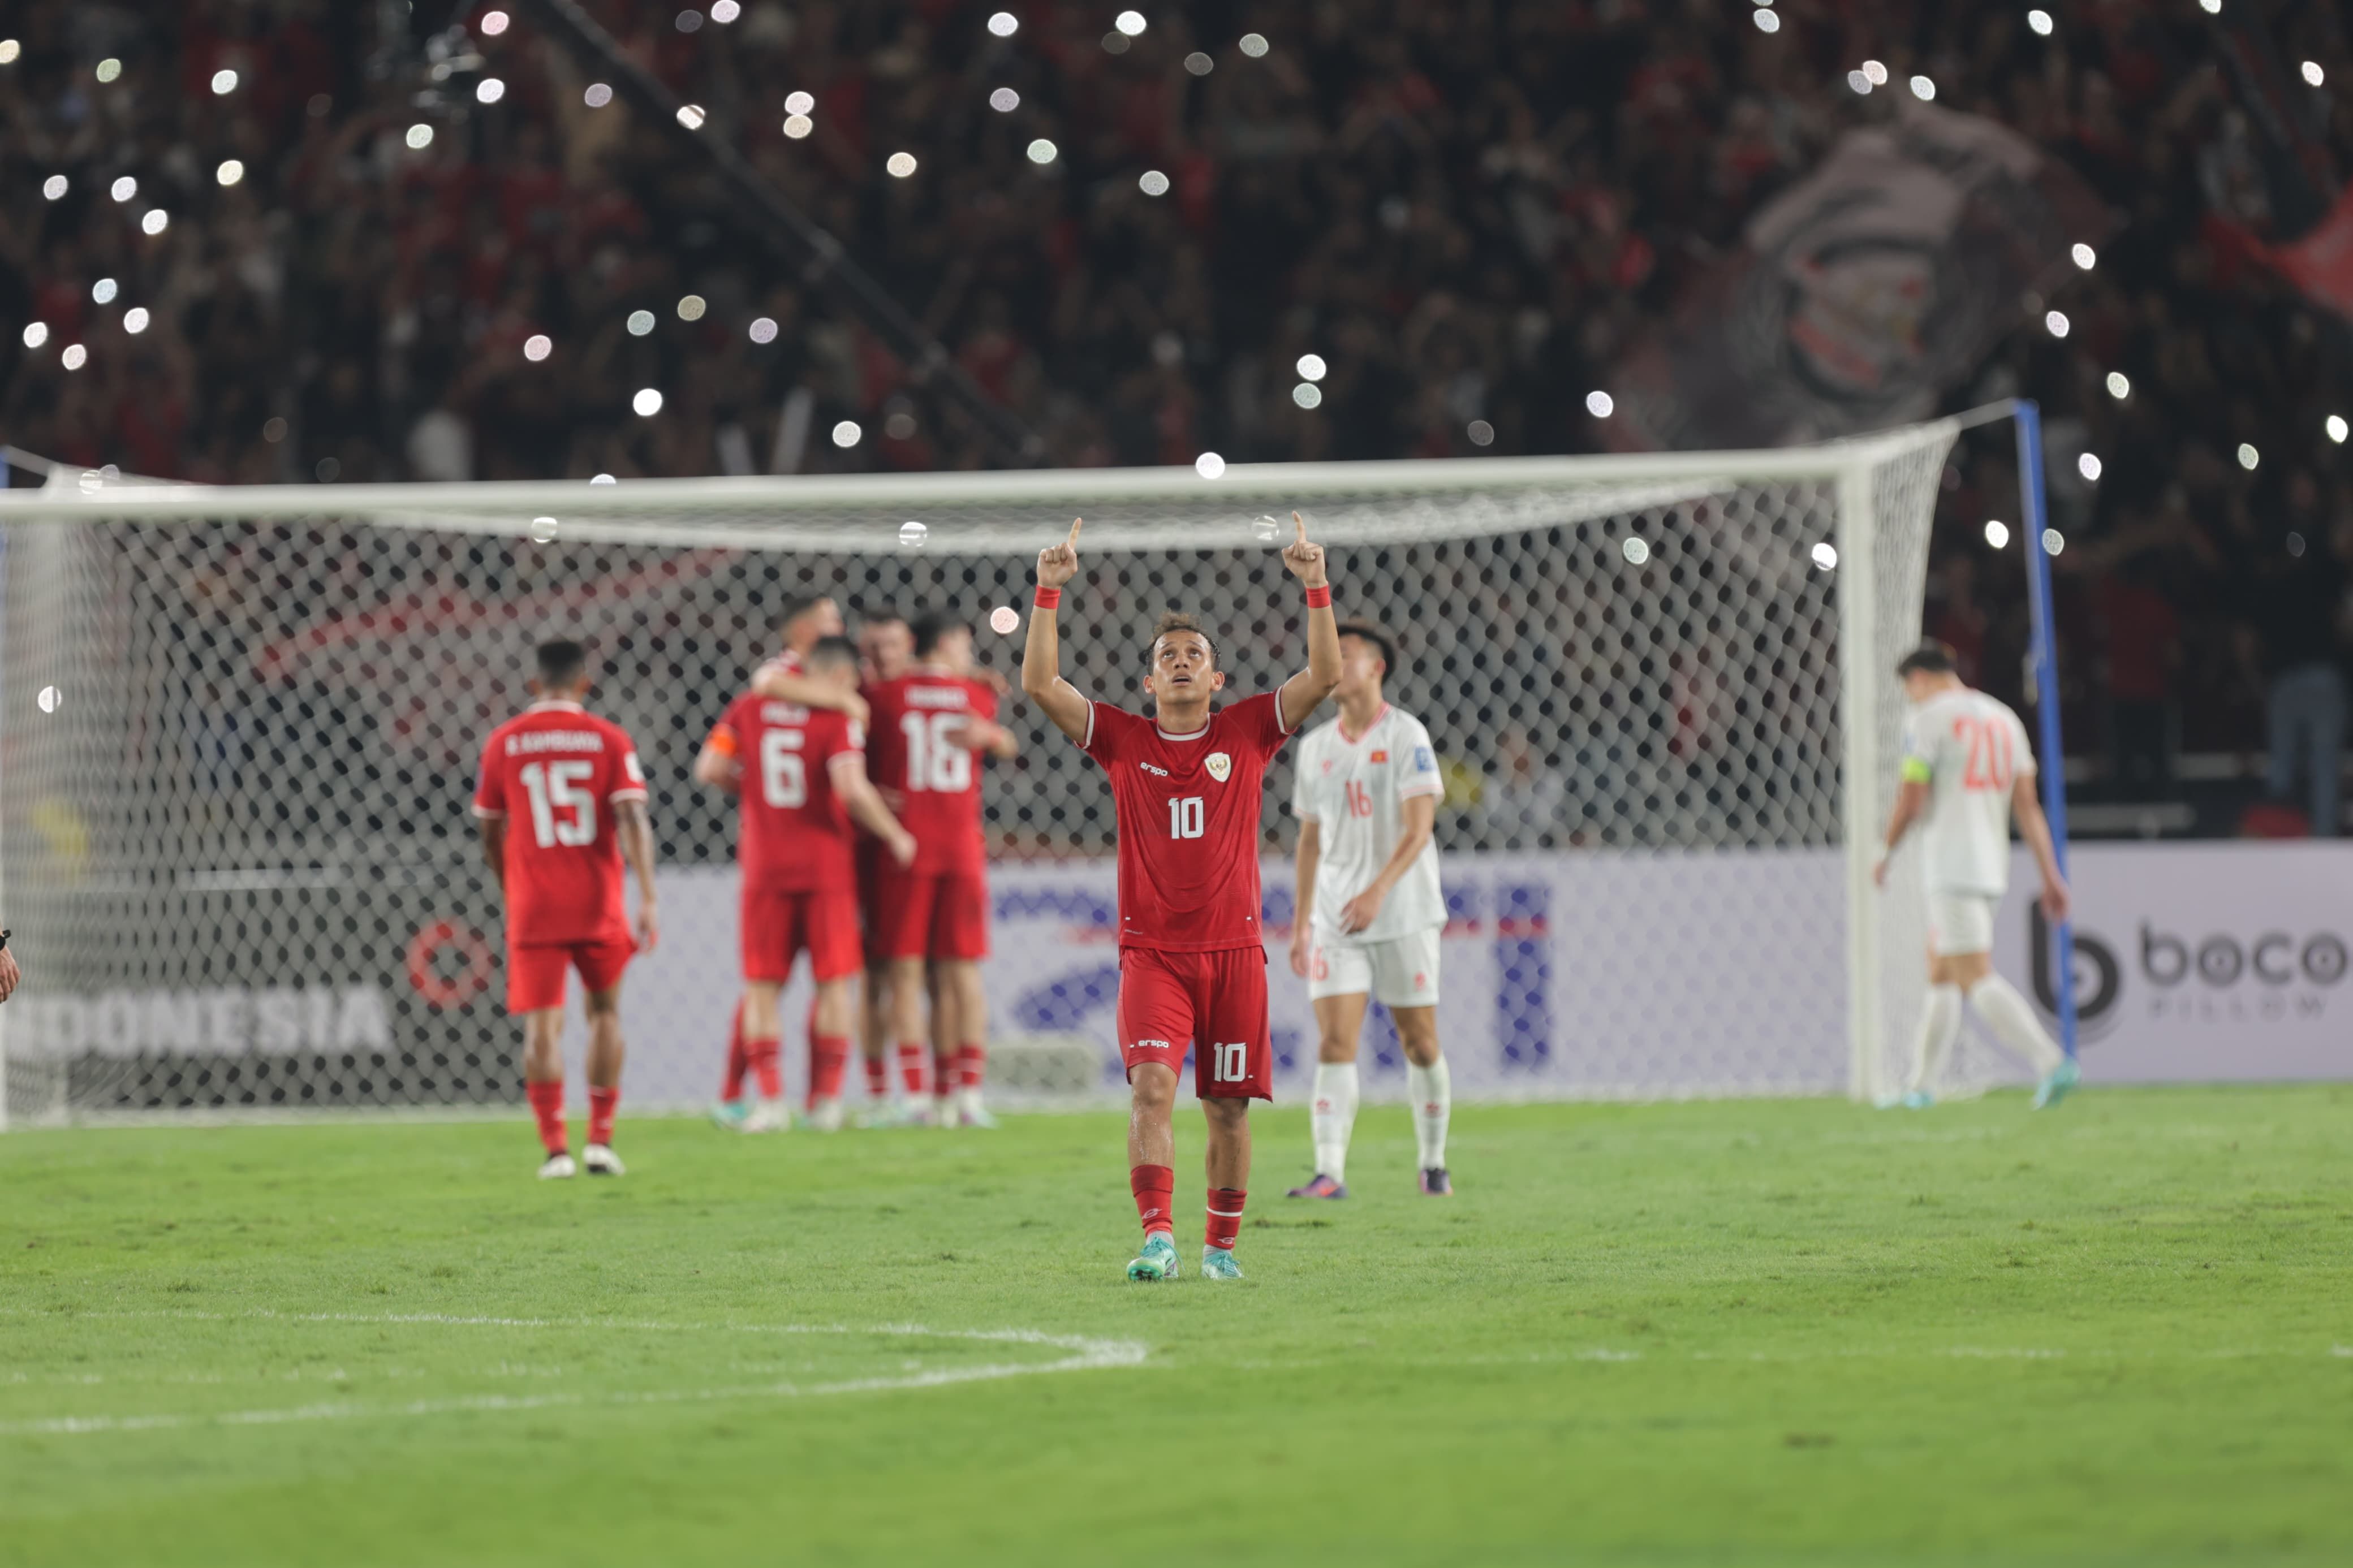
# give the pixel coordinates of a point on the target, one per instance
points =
(1221, 766)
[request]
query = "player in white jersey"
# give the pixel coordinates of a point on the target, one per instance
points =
(1969, 768)
(1366, 793)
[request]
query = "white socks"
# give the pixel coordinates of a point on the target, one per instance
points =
(1433, 1091)
(1334, 1117)
(2011, 1018)
(1940, 1025)
(1430, 1088)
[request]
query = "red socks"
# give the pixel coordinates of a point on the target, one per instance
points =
(1225, 1217)
(828, 1058)
(971, 1061)
(944, 1072)
(1155, 1191)
(878, 1079)
(602, 1103)
(547, 1104)
(912, 1056)
(766, 1070)
(738, 1064)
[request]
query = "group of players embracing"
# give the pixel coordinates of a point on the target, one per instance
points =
(857, 772)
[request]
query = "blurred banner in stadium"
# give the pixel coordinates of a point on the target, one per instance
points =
(1566, 975)
(1862, 293)
(2201, 962)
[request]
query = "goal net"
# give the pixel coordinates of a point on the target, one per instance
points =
(241, 726)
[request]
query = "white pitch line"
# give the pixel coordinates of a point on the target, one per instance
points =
(1087, 1354)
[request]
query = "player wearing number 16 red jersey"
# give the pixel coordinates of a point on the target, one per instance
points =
(1192, 970)
(561, 801)
(931, 724)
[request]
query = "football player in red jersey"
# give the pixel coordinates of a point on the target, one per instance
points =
(1192, 959)
(886, 646)
(799, 775)
(929, 726)
(803, 620)
(576, 779)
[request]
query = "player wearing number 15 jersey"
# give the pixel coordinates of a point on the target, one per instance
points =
(799, 775)
(1968, 769)
(1186, 784)
(561, 801)
(930, 725)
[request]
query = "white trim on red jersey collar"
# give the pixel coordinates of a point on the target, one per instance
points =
(556, 705)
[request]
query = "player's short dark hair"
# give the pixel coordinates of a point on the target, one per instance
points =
(827, 652)
(562, 662)
(799, 604)
(1931, 658)
(1375, 635)
(879, 614)
(1180, 621)
(931, 625)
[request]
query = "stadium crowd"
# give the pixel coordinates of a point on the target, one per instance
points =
(1466, 210)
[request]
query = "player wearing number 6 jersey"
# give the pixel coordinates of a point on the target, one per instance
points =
(801, 776)
(1968, 769)
(561, 801)
(1192, 964)
(931, 724)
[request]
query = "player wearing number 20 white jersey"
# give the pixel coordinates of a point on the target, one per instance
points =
(1968, 769)
(1370, 909)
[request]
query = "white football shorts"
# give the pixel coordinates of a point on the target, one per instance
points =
(1399, 973)
(1960, 922)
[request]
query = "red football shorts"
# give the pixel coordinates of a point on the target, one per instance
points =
(1215, 1002)
(776, 924)
(919, 915)
(535, 971)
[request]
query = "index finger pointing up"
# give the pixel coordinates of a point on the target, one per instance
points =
(1073, 541)
(1302, 526)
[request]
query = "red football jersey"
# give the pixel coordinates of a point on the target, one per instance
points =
(1188, 823)
(794, 833)
(938, 779)
(553, 772)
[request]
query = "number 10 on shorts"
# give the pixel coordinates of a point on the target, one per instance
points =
(1229, 1064)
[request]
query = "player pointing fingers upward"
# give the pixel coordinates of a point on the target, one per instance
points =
(1192, 969)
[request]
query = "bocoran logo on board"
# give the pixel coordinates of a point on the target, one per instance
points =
(2221, 978)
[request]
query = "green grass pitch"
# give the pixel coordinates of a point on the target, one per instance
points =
(1791, 1332)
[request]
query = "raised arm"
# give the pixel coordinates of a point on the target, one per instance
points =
(779, 685)
(2026, 807)
(635, 829)
(1304, 691)
(1041, 657)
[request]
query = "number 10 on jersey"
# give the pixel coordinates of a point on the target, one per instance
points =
(1185, 816)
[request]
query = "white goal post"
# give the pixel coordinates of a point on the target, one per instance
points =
(237, 730)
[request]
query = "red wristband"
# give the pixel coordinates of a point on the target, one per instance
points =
(1319, 598)
(1049, 598)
